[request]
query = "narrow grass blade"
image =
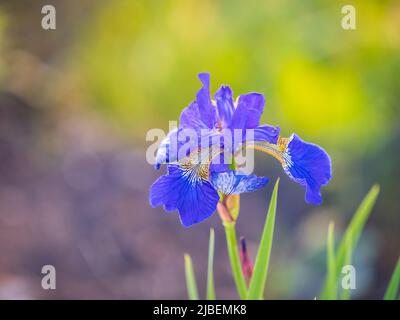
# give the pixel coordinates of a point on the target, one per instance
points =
(356, 226)
(190, 279)
(345, 295)
(257, 283)
(393, 288)
(234, 259)
(352, 234)
(210, 272)
(331, 264)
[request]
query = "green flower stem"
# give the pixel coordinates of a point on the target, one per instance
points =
(236, 266)
(210, 272)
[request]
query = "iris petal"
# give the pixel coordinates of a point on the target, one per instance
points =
(309, 165)
(191, 185)
(266, 133)
(220, 163)
(233, 182)
(206, 109)
(194, 198)
(191, 118)
(225, 105)
(181, 142)
(164, 153)
(248, 112)
(178, 144)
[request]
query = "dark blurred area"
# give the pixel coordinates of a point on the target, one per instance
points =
(76, 103)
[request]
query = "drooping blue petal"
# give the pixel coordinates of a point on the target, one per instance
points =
(248, 111)
(162, 191)
(198, 203)
(194, 198)
(207, 110)
(233, 182)
(225, 105)
(309, 165)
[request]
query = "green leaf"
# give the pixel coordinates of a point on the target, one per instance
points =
(349, 251)
(234, 259)
(190, 279)
(356, 226)
(394, 283)
(352, 234)
(257, 283)
(331, 264)
(210, 273)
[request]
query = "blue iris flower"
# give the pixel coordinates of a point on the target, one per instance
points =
(192, 189)
(304, 162)
(216, 118)
(193, 180)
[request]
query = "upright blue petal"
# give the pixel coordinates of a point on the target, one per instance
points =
(191, 118)
(309, 165)
(182, 190)
(207, 111)
(225, 105)
(248, 111)
(233, 182)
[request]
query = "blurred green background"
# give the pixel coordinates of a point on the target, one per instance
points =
(76, 103)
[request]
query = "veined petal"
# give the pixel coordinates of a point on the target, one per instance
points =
(267, 133)
(198, 203)
(191, 118)
(233, 182)
(248, 112)
(261, 134)
(305, 163)
(225, 105)
(220, 163)
(309, 165)
(178, 144)
(184, 190)
(164, 153)
(207, 111)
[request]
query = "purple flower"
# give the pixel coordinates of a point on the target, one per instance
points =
(194, 179)
(192, 189)
(206, 120)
